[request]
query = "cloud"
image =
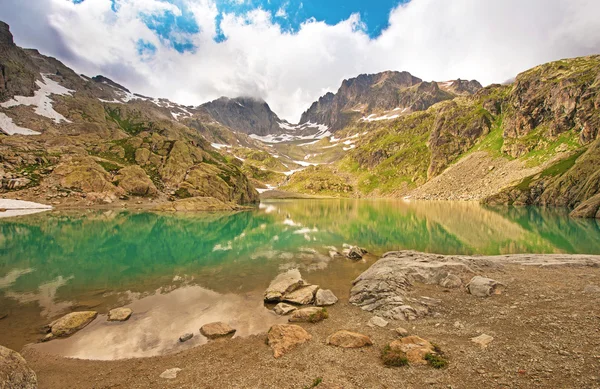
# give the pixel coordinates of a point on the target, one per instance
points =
(490, 41)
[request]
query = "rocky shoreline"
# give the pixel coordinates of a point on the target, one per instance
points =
(455, 314)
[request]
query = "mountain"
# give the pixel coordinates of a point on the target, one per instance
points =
(244, 114)
(389, 92)
(73, 139)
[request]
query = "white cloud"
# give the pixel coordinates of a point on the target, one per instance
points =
(433, 39)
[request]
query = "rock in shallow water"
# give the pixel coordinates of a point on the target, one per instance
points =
(71, 323)
(347, 339)
(355, 252)
(216, 330)
(283, 338)
(119, 314)
(284, 309)
(14, 372)
(325, 297)
(304, 295)
(284, 283)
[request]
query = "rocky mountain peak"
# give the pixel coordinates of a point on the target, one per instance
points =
(6, 37)
(105, 80)
(245, 114)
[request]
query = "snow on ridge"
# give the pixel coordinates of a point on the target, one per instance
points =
(219, 146)
(9, 127)
(41, 99)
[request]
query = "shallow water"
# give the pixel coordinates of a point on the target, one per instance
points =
(180, 271)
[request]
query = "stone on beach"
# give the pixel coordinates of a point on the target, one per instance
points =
(415, 349)
(283, 338)
(304, 295)
(170, 374)
(483, 340)
(348, 339)
(119, 314)
(71, 323)
(284, 283)
(377, 321)
(284, 309)
(216, 330)
(484, 287)
(325, 297)
(14, 372)
(186, 337)
(309, 315)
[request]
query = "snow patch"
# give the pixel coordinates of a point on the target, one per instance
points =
(9, 127)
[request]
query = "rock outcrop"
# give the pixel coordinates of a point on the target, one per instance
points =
(14, 372)
(244, 114)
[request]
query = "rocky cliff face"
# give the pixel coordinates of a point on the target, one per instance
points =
(244, 114)
(17, 72)
(372, 93)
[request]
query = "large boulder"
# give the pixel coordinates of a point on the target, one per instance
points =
(216, 330)
(283, 338)
(134, 180)
(283, 284)
(71, 323)
(484, 287)
(347, 339)
(14, 372)
(304, 295)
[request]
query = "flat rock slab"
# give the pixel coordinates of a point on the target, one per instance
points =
(71, 323)
(308, 315)
(325, 297)
(482, 340)
(14, 372)
(284, 309)
(484, 287)
(119, 314)
(283, 338)
(304, 295)
(170, 374)
(282, 284)
(216, 330)
(347, 339)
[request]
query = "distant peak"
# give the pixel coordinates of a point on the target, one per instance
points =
(105, 80)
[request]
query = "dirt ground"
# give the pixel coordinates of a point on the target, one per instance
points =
(546, 329)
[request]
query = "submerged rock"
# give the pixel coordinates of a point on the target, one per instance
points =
(119, 314)
(284, 283)
(71, 323)
(216, 330)
(484, 287)
(304, 295)
(347, 339)
(14, 372)
(283, 338)
(309, 315)
(325, 297)
(355, 252)
(284, 309)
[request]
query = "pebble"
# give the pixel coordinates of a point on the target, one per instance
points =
(186, 337)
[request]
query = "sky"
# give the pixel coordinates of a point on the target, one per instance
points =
(291, 52)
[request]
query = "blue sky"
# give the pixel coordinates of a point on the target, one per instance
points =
(288, 14)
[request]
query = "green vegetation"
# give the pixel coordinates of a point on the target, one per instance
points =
(318, 180)
(109, 166)
(436, 361)
(316, 382)
(132, 125)
(392, 357)
(318, 316)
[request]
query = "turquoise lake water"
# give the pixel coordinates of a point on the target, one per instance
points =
(56, 262)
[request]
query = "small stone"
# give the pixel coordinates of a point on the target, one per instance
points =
(484, 287)
(283, 338)
(170, 374)
(308, 315)
(284, 309)
(355, 253)
(377, 321)
(216, 330)
(483, 340)
(119, 314)
(347, 339)
(401, 331)
(325, 297)
(186, 337)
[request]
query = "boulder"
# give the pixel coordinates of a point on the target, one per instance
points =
(216, 330)
(415, 349)
(304, 295)
(482, 340)
(284, 309)
(284, 283)
(186, 337)
(484, 287)
(71, 323)
(325, 297)
(347, 339)
(377, 321)
(451, 282)
(119, 314)
(282, 338)
(170, 374)
(134, 180)
(309, 315)
(14, 372)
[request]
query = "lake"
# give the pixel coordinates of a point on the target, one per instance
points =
(178, 271)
